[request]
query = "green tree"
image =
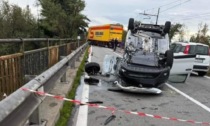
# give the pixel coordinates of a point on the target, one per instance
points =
(175, 29)
(63, 18)
(201, 35)
(16, 22)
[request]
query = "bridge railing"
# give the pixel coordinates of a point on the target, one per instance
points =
(20, 106)
(15, 68)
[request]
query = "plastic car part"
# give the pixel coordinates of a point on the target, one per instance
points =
(92, 68)
(138, 89)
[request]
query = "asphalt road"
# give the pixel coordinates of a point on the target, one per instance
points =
(192, 104)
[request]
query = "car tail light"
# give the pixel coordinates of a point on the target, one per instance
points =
(186, 50)
(209, 52)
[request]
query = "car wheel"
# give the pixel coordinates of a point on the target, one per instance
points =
(169, 58)
(92, 68)
(167, 27)
(201, 74)
(131, 24)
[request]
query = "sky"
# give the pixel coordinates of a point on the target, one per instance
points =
(187, 12)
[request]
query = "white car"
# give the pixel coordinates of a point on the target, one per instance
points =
(202, 52)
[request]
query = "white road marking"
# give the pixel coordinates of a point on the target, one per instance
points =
(82, 117)
(188, 97)
(185, 95)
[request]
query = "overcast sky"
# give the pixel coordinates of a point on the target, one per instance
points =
(188, 12)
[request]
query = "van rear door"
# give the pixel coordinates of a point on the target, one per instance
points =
(202, 54)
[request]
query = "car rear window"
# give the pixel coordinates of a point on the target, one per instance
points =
(198, 49)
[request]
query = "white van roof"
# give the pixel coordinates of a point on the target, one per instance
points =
(191, 43)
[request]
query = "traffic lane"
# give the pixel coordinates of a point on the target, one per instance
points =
(196, 87)
(170, 104)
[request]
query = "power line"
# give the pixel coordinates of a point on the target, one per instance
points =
(164, 5)
(175, 6)
(194, 16)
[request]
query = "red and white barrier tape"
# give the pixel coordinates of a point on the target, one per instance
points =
(141, 114)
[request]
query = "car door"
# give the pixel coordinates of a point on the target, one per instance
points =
(182, 67)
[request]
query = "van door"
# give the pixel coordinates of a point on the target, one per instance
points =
(182, 67)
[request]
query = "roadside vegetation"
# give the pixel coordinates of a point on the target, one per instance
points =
(66, 111)
(58, 19)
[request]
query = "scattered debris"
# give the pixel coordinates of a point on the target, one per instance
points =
(93, 102)
(91, 81)
(108, 120)
(115, 89)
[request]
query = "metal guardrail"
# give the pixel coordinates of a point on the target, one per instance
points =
(16, 67)
(18, 107)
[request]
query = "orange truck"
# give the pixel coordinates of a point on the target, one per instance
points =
(103, 34)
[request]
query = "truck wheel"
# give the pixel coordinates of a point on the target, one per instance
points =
(169, 58)
(167, 27)
(131, 24)
(201, 73)
(92, 68)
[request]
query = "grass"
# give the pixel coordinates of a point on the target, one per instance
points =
(66, 111)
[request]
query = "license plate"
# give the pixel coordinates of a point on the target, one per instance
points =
(199, 61)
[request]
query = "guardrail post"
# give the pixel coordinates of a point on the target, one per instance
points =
(78, 55)
(35, 119)
(63, 78)
(73, 63)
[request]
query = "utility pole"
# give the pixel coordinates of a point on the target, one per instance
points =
(157, 16)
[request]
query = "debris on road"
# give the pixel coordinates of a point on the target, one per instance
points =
(92, 102)
(108, 120)
(91, 81)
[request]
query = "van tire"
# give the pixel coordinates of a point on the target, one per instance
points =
(169, 58)
(201, 73)
(167, 27)
(131, 24)
(92, 68)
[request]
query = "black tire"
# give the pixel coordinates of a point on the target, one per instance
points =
(92, 68)
(167, 27)
(201, 73)
(131, 24)
(169, 58)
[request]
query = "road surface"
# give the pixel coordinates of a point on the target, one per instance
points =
(188, 101)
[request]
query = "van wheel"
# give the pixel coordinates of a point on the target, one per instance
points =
(169, 58)
(201, 74)
(131, 24)
(92, 68)
(167, 27)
